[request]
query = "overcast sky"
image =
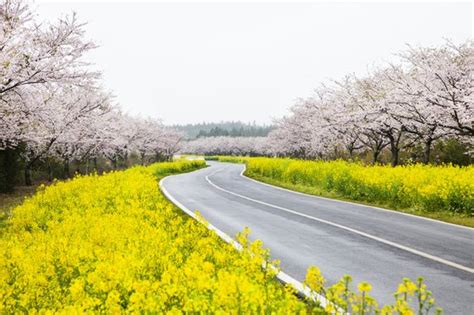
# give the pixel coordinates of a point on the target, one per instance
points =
(247, 61)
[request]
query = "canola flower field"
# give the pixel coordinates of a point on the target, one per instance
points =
(426, 188)
(114, 244)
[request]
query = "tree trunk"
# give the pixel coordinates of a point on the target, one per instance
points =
(427, 151)
(28, 180)
(66, 169)
(395, 154)
(125, 160)
(351, 152)
(158, 157)
(87, 166)
(394, 147)
(375, 155)
(50, 172)
(95, 165)
(8, 170)
(142, 155)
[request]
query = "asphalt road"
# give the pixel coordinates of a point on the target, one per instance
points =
(368, 243)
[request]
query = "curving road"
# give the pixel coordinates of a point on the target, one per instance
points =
(369, 243)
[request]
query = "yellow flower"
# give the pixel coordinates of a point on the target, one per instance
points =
(330, 308)
(314, 279)
(364, 287)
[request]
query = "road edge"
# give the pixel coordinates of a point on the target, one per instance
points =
(347, 228)
(283, 277)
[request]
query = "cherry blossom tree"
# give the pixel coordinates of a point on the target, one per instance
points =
(426, 97)
(155, 142)
(433, 93)
(36, 54)
(61, 123)
(52, 108)
(33, 56)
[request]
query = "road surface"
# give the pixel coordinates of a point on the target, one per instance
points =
(368, 243)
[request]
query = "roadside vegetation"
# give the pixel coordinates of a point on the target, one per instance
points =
(441, 192)
(56, 118)
(113, 243)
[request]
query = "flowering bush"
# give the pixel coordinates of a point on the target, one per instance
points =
(422, 187)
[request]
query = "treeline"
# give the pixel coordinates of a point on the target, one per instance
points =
(449, 151)
(420, 109)
(247, 146)
(224, 128)
(55, 118)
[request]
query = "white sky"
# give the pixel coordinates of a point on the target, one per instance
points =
(194, 62)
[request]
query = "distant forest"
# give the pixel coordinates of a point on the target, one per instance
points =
(224, 128)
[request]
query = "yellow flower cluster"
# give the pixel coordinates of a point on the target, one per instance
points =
(344, 300)
(230, 159)
(114, 244)
(421, 187)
